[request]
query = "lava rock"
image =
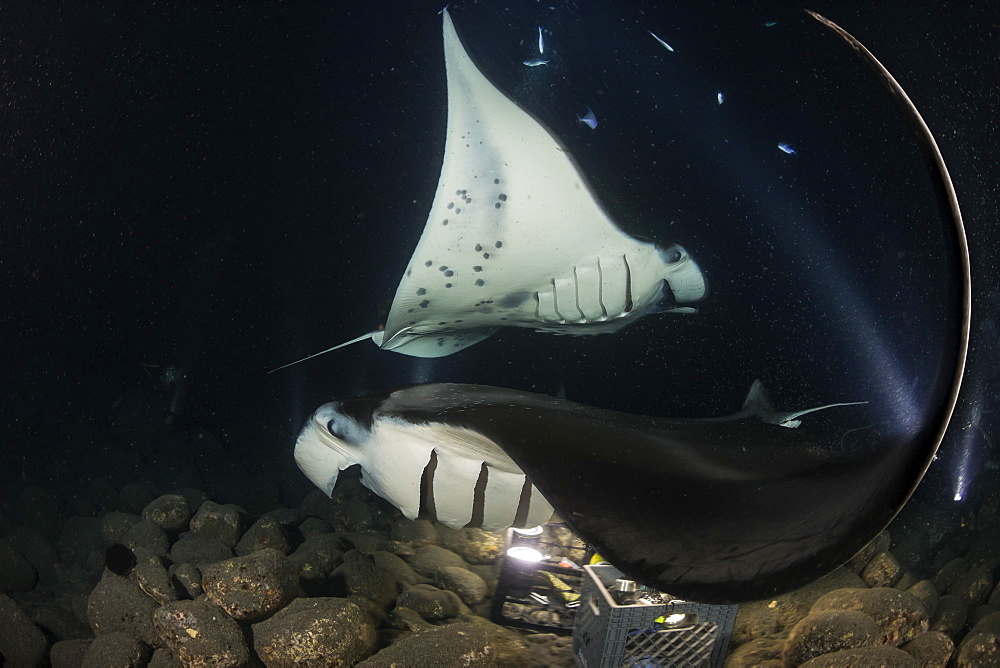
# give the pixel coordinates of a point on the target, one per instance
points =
(476, 546)
(757, 619)
(907, 581)
(950, 616)
(882, 571)
(69, 653)
(200, 634)
(928, 595)
(428, 559)
(286, 517)
(170, 512)
(949, 573)
(360, 576)
(979, 649)
(117, 649)
(859, 561)
(827, 632)
(415, 533)
(315, 631)
(187, 580)
(147, 535)
(976, 615)
(994, 598)
(267, 532)
(550, 650)
(459, 644)
(932, 649)
(115, 525)
(317, 557)
(973, 586)
(21, 642)
(398, 569)
(317, 504)
(353, 514)
(757, 653)
(470, 587)
(431, 603)
(199, 551)
(152, 576)
(58, 621)
(16, 572)
(33, 545)
(251, 587)
(118, 604)
(864, 656)
(900, 615)
(224, 524)
(367, 542)
(312, 526)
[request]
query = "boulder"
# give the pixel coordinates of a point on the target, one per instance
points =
(251, 587)
(315, 631)
(200, 634)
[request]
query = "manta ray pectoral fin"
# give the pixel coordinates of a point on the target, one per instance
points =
(375, 336)
(436, 344)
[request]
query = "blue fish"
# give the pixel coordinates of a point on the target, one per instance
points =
(786, 148)
(590, 120)
(720, 97)
(541, 42)
(535, 63)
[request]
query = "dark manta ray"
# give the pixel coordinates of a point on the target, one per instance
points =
(710, 510)
(705, 508)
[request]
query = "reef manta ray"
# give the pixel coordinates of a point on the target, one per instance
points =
(711, 510)
(516, 238)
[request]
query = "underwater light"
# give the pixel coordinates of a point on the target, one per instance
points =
(529, 531)
(525, 553)
(674, 619)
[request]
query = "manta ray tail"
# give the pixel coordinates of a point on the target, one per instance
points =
(375, 336)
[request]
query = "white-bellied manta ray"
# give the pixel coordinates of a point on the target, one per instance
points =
(516, 238)
(715, 510)
(470, 478)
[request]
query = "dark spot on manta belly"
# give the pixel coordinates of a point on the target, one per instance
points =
(514, 299)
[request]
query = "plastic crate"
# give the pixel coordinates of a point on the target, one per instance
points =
(608, 635)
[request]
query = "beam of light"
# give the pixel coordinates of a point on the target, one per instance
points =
(965, 466)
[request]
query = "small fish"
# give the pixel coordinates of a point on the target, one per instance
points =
(541, 42)
(770, 24)
(720, 97)
(535, 63)
(589, 119)
(786, 148)
(667, 46)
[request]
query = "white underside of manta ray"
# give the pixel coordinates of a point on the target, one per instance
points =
(469, 469)
(516, 238)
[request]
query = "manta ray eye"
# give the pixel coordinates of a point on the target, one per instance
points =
(331, 427)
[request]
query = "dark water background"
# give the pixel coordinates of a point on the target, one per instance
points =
(226, 187)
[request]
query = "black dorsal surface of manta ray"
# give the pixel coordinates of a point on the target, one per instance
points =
(715, 511)
(712, 510)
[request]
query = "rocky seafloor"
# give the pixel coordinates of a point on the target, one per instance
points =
(233, 560)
